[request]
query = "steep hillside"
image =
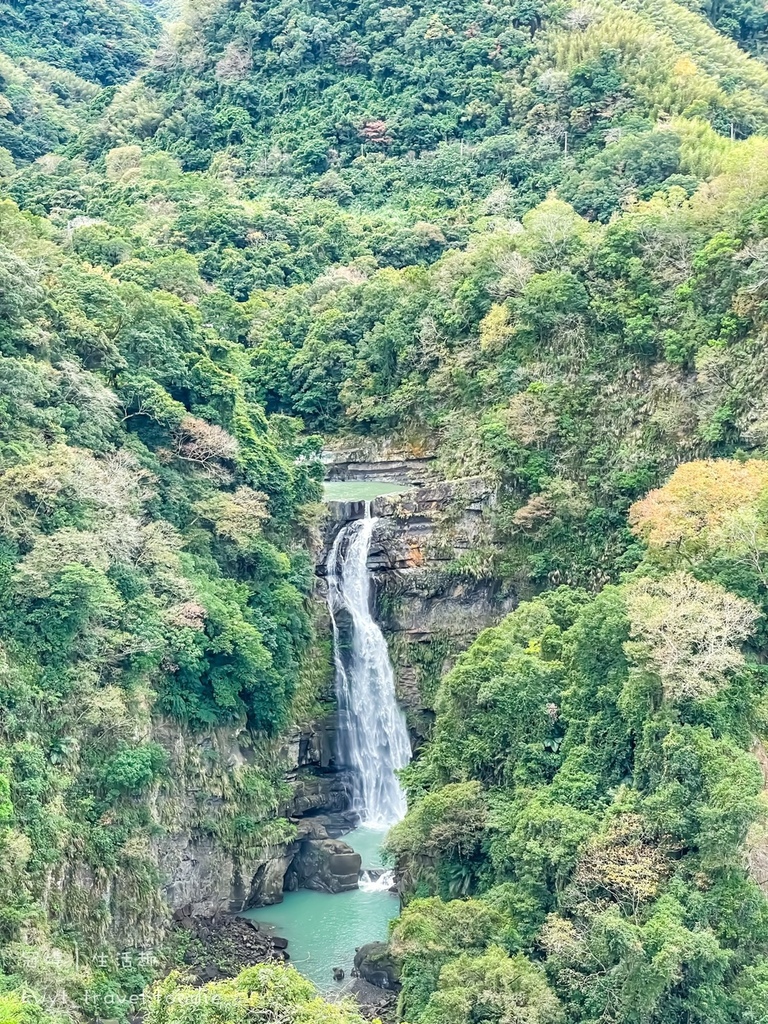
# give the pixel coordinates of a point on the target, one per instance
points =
(592, 787)
(40, 108)
(101, 42)
(322, 88)
(532, 275)
(52, 63)
(156, 578)
(744, 22)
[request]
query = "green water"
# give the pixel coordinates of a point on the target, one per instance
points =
(360, 490)
(324, 930)
(367, 842)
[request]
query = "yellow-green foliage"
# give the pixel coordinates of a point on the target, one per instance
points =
(16, 1010)
(673, 62)
(533, 235)
(611, 738)
(267, 992)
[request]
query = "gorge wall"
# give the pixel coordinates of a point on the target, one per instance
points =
(432, 596)
(429, 605)
(195, 867)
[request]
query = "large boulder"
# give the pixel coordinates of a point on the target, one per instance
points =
(264, 886)
(328, 865)
(376, 965)
(319, 792)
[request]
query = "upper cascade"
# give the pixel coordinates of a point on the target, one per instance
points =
(374, 736)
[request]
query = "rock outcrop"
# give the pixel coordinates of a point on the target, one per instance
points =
(367, 460)
(328, 865)
(225, 945)
(199, 871)
(432, 566)
(375, 964)
(196, 868)
(319, 791)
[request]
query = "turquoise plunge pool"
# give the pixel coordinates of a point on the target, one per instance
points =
(324, 930)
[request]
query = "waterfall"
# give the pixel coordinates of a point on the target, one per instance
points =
(374, 737)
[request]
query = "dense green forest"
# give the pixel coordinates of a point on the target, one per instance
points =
(532, 236)
(590, 784)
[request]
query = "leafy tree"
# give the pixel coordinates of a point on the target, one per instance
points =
(688, 633)
(102, 46)
(496, 986)
(266, 991)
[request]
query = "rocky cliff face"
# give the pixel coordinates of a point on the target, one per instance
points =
(363, 460)
(190, 870)
(434, 594)
(433, 600)
(430, 561)
(201, 872)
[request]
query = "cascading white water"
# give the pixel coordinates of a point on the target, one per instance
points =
(377, 881)
(373, 732)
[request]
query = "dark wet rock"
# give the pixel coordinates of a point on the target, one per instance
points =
(319, 791)
(376, 965)
(328, 865)
(221, 946)
(427, 610)
(375, 1003)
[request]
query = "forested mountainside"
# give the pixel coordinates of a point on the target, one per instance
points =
(530, 237)
(465, 177)
(592, 784)
(53, 59)
(101, 42)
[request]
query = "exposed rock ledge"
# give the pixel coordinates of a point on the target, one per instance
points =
(198, 874)
(432, 598)
(201, 874)
(363, 459)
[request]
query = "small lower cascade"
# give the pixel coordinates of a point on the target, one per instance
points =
(377, 881)
(374, 734)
